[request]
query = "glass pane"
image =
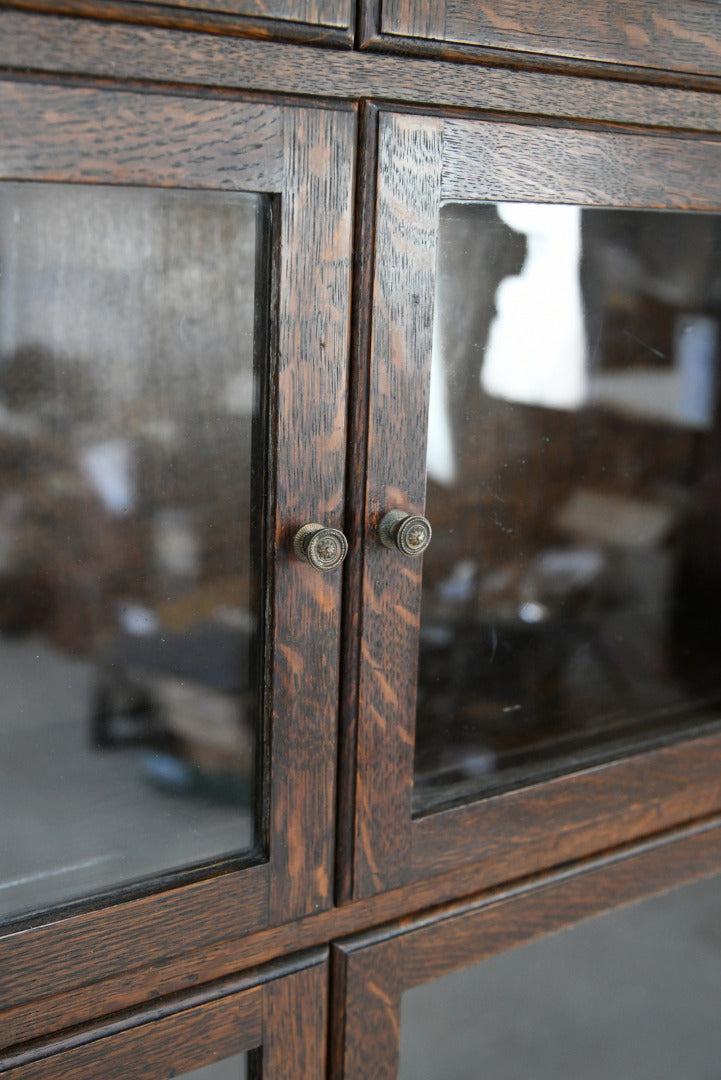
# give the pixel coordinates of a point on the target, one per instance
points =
(574, 487)
(129, 400)
(632, 994)
(232, 1068)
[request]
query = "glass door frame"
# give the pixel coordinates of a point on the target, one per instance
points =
(302, 157)
(422, 162)
(371, 971)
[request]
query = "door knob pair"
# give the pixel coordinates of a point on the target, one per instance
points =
(325, 549)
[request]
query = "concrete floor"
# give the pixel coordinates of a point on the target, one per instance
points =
(76, 820)
(633, 995)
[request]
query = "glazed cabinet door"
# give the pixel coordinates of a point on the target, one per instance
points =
(174, 305)
(542, 683)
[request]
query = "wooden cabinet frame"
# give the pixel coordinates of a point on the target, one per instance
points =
(423, 161)
(330, 22)
(666, 36)
(281, 1017)
(371, 972)
(303, 157)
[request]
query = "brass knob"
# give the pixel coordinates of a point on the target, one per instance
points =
(323, 548)
(409, 533)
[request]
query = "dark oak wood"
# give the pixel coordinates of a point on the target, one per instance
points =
(410, 159)
(164, 1048)
(88, 99)
(106, 51)
(295, 1023)
(214, 18)
(310, 444)
(466, 160)
(507, 161)
(414, 18)
(281, 1012)
(682, 36)
(371, 971)
(305, 158)
(355, 503)
(90, 136)
(337, 13)
(696, 850)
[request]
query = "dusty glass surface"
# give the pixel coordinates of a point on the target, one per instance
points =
(232, 1068)
(632, 994)
(574, 487)
(131, 333)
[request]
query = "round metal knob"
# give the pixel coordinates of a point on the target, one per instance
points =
(325, 549)
(409, 533)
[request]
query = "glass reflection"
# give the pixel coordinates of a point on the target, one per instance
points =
(232, 1068)
(128, 409)
(574, 490)
(631, 994)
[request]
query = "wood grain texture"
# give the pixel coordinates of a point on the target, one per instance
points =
(680, 36)
(95, 136)
(83, 47)
(512, 833)
(86, 948)
(562, 819)
(365, 1033)
(548, 905)
(375, 968)
(206, 18)
(280, 1009)
(603, 168)
(169, 1047)
(336, 13)
(295, 1025)
(306, 157)
(696, 848)
(414, 18)
(310, 444)
(355, 511)
(409, 176)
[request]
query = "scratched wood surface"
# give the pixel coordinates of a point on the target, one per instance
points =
(683, 36)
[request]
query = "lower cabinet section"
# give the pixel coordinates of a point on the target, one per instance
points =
(273, 1027)
(633, 992)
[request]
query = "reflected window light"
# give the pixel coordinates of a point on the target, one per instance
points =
(536, 351)
(684, 396)
(440, 462)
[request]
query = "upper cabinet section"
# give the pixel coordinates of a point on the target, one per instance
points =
(678, 37)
